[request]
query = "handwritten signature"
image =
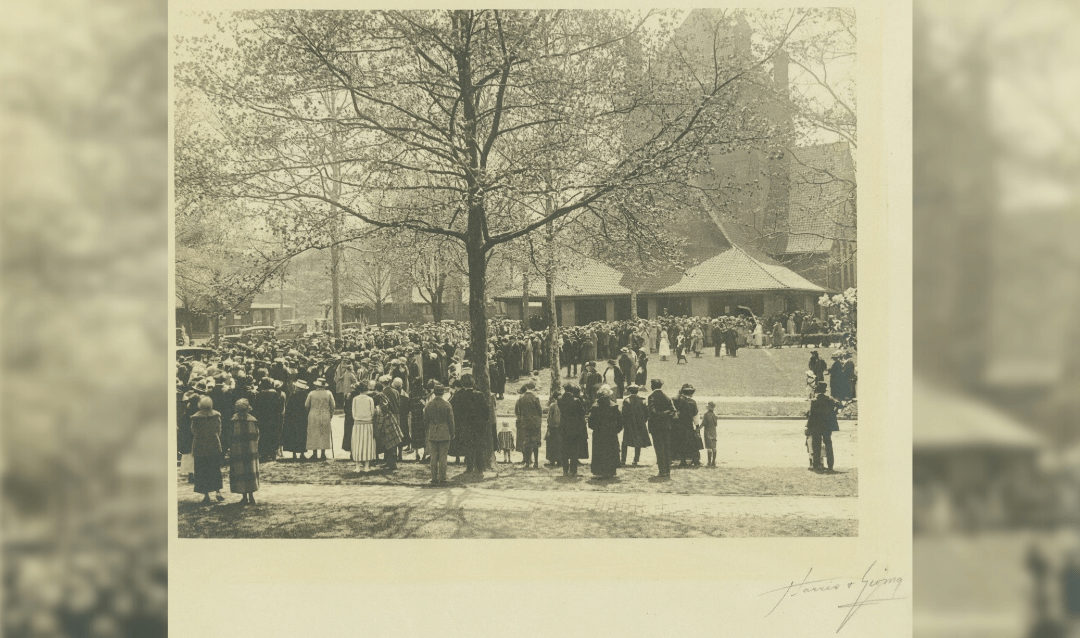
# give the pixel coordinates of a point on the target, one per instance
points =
(873, 591)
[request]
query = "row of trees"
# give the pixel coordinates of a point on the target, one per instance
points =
(481, 139)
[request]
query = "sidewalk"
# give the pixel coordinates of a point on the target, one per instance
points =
(466, 498)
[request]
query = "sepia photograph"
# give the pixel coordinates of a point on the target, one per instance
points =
(515, 274)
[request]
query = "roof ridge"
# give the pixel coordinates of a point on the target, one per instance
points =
(762, 266)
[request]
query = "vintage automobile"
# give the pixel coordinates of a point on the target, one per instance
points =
(194, 352)
(232, 333)
(291, 330)
(249, 333)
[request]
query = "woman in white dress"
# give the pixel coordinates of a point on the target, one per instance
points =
(320, 406)
(665, 346)
(759, 334)
(363, 434)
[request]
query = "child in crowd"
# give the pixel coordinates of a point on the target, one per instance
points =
(708, 423)
(506, 441)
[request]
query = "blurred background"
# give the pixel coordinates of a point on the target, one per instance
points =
(83, 210)
(997, 294)
(84, 233)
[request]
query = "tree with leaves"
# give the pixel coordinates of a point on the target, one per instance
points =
(451, 102)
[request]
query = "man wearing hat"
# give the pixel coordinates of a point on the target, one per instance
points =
(439, 420)
(661, 413)
(820, 424)
(635, 430)
(529, 419)
(626, 366)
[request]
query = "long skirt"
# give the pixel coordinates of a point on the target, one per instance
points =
(363, 442)
(318, 434)
(208, 473)
(243, 474)
(187, 463)
(665, 348)
(554, 446)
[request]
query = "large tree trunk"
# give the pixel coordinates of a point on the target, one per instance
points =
(633, 305)
(378, 312)
(478, 321)
(437, 306)
(553, 331)
(524, 300)
(335, 287)
(217, 333)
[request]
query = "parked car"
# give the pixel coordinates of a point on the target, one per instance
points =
(233, 331)
(250, 332)
(291, 330)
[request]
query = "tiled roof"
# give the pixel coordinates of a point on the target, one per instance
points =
(822, 181)
(590, 278)
(735, 270)
(732, 270)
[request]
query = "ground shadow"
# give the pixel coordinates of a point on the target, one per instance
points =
(466, 478)
(659, 479)
(567, 479)
(604, 480)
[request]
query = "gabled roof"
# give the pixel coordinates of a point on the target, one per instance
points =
(735, 270)
(731, 270)
(590, 278)
(946, 421)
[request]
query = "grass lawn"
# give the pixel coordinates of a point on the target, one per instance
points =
(754, 373)
(277, 521)
(719, 481)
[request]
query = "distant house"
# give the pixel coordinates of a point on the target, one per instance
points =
(724, 278)
(973, 466)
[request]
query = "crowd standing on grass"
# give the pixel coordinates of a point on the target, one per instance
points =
(250, 403)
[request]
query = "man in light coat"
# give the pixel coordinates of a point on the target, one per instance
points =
(439, 418)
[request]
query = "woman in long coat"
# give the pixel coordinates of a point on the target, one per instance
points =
(346, 437)
(497, 373)
(606, 423)
(697, 341)
(575, 434)
(320, 405)
(268, 408)
(642, 369)
(294, 428)
(417, 426)
(187, 405)
(244, 453)
(385, 427)
(206, 448)
(685, 441)
(554, 433)
(635, 429)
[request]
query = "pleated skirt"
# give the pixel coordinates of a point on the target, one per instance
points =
(363, 442)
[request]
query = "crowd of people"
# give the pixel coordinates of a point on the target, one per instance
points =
(252, 403)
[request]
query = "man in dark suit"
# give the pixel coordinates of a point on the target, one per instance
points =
(473, 421)
(661, 414)
(820, 424)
